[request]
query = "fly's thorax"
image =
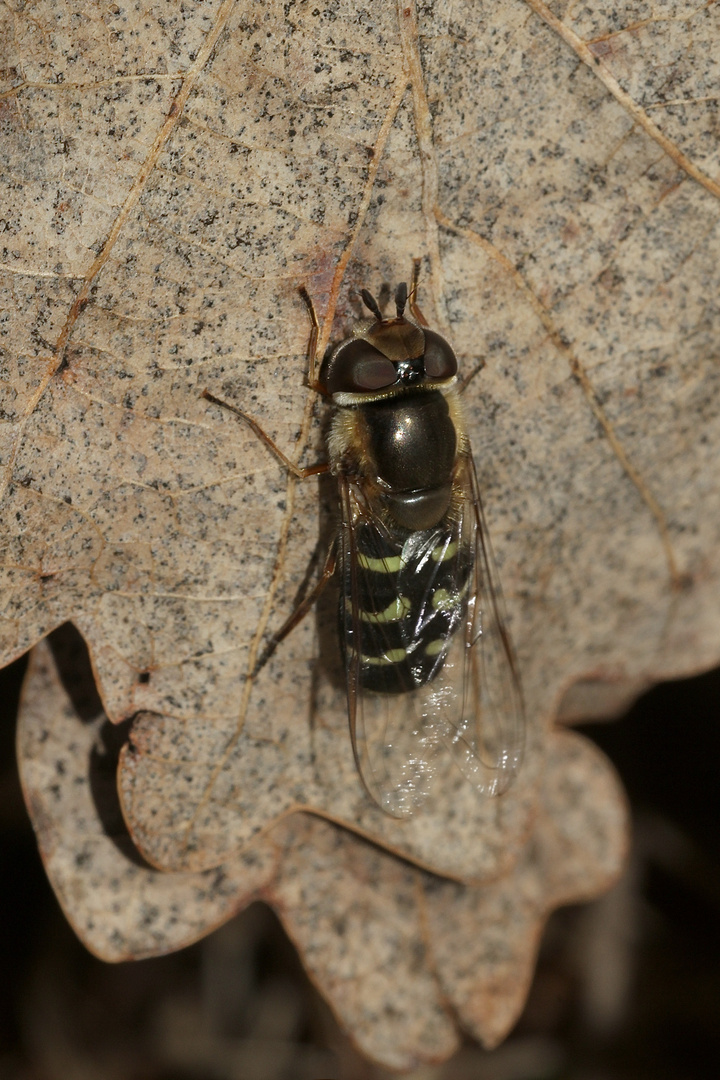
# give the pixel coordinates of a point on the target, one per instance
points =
(412, 440)
(402, 448)
(413, 444)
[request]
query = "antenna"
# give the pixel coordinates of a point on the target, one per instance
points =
(370, 302)
(401, 295)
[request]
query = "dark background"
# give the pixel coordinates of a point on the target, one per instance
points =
(626, 987)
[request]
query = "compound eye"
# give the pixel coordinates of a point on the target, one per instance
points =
(440, 361)
(357, 367)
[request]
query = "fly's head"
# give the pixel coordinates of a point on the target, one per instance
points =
(388, 355)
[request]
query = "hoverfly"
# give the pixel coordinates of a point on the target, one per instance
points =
(431, 674)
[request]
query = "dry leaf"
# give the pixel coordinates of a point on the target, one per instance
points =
(170, 178)
(120, 907)
(401, 955)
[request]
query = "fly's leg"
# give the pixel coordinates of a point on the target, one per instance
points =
(302, 473)
(412, 295)
(312, 343)
(422, 321)
(296, 470)
(309, 600)
(305, 605)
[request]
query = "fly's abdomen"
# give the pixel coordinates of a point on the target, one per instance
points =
(402, 603)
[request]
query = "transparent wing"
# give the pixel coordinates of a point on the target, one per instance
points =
(432, 682)
(489, 737)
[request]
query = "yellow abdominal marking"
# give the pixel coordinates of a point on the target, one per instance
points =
(389, 565)
(444, 552)
(394, 656)
(435, 647)
(397, 609)
(446, 601)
